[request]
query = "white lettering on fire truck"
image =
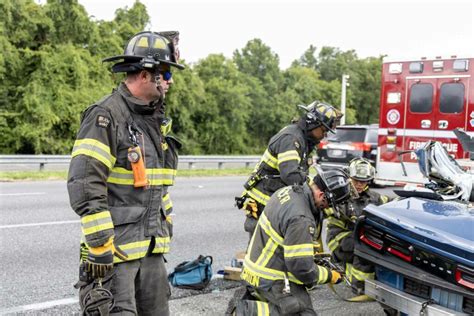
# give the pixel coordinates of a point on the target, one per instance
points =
(450, 147)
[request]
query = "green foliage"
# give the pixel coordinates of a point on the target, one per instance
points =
(51, 70)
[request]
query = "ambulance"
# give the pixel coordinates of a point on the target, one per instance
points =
(422, 100)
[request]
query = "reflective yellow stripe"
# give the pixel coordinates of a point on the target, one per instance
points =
(262, 308)
(162, 245)
(267, 253)
(95, 149)
(258, 196)
(288, 155)
(360, 275)
(384, 199)
(349, 271)
(267, 227)
(270, 160)
(332, 221)
(119, 175)
(139, 249)
(328, 211)
(97, 222)
(134, 250)
(166, 201)
(334, 243)
(303, 250)
(267, 273)
(323, 275)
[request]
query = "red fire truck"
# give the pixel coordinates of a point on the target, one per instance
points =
(422, 100)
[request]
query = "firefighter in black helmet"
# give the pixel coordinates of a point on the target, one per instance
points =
(279, 265)
(340, 224)
(285, 161)
(122, 163)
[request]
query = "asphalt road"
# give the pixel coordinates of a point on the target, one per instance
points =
(39, 236)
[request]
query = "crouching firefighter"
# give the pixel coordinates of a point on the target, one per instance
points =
(340, 224)
(279, 267)
(285, 161)
(120, 169)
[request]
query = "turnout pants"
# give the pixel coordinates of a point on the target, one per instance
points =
(139, 287)
(275, 302)
(357, 269)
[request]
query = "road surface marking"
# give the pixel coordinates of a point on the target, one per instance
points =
(39, 306)
(39, 224)
(20, 194)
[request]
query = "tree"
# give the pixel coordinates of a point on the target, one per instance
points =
(222, 120)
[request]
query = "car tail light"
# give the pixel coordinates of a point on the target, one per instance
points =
(400, 248)
(323, 144)
(371, 237)
(400, 254)
(465, 276)
(362, 146)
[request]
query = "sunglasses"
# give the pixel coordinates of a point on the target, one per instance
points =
(166, 75)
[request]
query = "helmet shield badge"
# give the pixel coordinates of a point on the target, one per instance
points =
(148, 50)
(319, 113)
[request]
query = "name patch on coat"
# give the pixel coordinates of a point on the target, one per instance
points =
(102, 121)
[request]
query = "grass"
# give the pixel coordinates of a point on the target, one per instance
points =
(62, 175)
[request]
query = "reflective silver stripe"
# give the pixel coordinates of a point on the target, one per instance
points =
(134, 250)
(162, 245)
(95, 149)
(288, 155)
(93, 223)
(267, 253)
(303, 250)
(158, 176)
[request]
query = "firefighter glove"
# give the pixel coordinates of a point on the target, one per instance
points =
(336, 277)
(101, 259)
(251, 208)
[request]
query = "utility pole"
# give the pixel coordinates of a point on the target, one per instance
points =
(345, 84)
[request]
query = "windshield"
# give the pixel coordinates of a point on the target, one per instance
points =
(356, 135)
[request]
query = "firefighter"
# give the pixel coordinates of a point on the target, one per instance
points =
(340, 237)
(279, 267)
(121, 166)
(285, 161)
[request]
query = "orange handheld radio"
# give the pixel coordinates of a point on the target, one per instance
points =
(138, 167)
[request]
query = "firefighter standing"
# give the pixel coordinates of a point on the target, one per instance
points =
(285, 161)
(120, 168)
(340, 239)
(279, 266)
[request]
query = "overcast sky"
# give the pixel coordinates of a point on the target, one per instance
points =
(401, 29)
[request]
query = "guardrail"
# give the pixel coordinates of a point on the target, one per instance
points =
(43, 160)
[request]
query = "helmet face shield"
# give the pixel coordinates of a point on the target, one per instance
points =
(361, 169)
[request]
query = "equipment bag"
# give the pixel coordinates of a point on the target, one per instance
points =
(194, 275)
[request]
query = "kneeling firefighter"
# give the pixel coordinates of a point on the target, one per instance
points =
(279, 267)
(340, 224)
(285, 161)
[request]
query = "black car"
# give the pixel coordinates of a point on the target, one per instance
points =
(350, 141)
